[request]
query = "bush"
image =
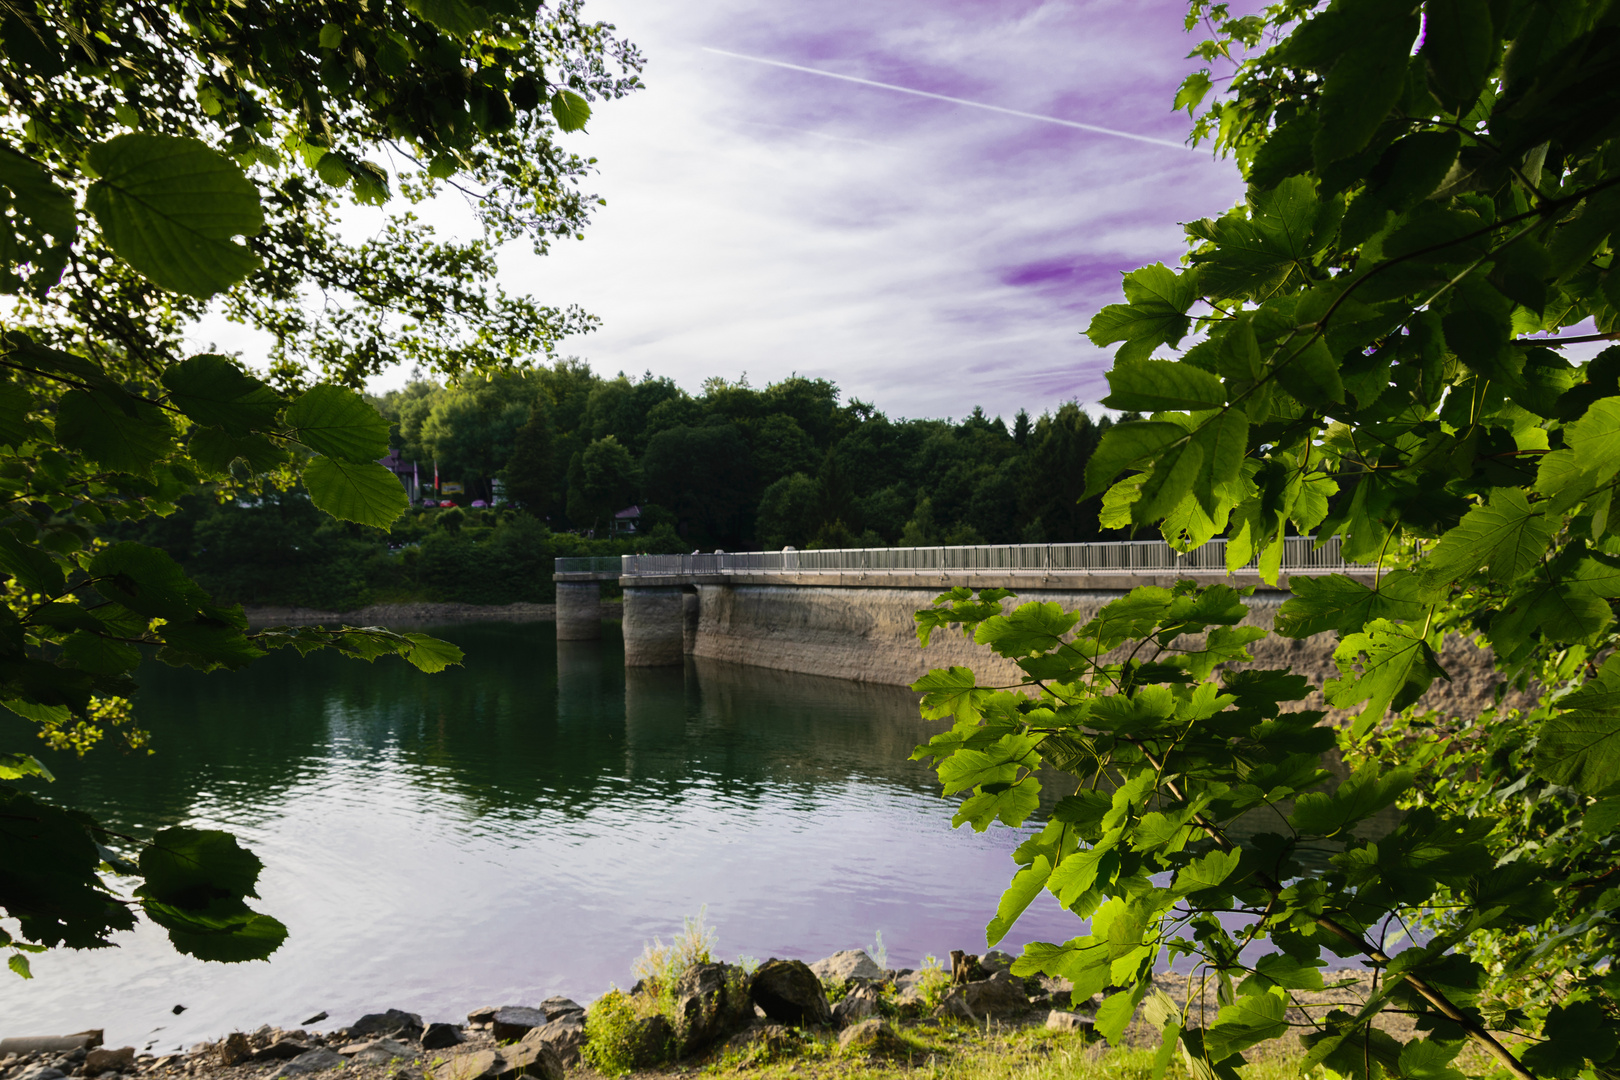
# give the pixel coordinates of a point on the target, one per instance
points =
(615, 1035)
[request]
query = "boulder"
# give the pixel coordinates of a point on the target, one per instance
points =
(480, 1018)
(847, 965)
(317, 1060)
(514, 1021)
(50, 1044)
(441, 1037)
(1057, 1020)
(392, 1022)
(281, 1050)
(383, 1051)
(41, 1072)
(995, 960)
(474, 1065)
(554, 1007)
(650, 1041)
(857, 1005)
(999, 995)
(790, 993)
(564, 1035)
(234, 1049)
(99, 1060)
(712, 1002)
(530, 1059)
(873, 1037)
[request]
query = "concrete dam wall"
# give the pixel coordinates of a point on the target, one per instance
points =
(868, 635)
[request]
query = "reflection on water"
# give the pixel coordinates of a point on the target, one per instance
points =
(518, 828)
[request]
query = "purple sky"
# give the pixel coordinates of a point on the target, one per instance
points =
(927, 256)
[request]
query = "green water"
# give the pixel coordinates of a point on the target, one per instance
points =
(518, 828)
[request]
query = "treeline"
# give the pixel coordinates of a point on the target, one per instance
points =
(734, 467)
(737, 467)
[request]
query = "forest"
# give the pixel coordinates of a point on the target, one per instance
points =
(734, 467)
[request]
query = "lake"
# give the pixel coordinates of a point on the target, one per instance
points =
(517, 828)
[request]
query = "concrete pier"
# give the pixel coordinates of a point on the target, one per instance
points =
(579, 610)
(691, 614)
(654, 626)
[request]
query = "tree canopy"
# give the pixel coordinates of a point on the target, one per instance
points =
(1390, 341)
(161, 157)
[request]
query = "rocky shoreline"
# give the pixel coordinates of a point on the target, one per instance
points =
(841, 1015)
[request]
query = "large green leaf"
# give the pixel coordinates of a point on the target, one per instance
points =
(1026, 885)
(365, 493)
(570, 110)
(172, 208)
(223, 930)
(213, 391)
(1026, 630)
(1364, 83)
(1251, 1019)
(1581, 749)
(1156, 385)
(181, 863)
(1337, 602)
(147, 581)
(1506, 534)
(1128, 445)
(40, 230)
(1396, 667)
(48, 883)
(430, 654)
(117, 433)
(455, 17)
(1460, 45)
(1256, 255)
(1154, 314)
(337, 422)
(31, 565)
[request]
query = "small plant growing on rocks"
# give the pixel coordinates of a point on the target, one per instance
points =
(661, 964)
(935, 982)
(622, 1034)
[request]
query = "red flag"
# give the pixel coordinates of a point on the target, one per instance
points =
(435, 476)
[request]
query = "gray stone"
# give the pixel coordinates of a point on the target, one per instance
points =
(766, 1041)
(873, 1037)
(790, 993)
(712, 1003)
(565, 1035)
(995, 960)
(441, 1037)
(554, 1007)
(1057, 1020)
(101, 1060)
(847, 965)
(41, 1072)
(282, 1050)
(392, 1022)
(483, 1017)
(383, 1051)
(317, 1060)
(530, 1059)
(52, 1044)
(999, 995)
(473, 1065)
(514, 1021)
(234, 1049)
(857, 1005)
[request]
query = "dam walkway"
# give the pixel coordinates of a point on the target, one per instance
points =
(854, 605)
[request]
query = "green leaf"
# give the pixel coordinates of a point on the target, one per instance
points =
(430, 654)
(1223, 443)
(31, 565)
(213, 391)
(1334, 602)
(337, 422)
(215, 451)
(172, 207)
(570, 110)
(1310, 374)
(117, 433)
(1116, 1010)
(103, 656)
(951, 692)
(331, 36)
(1581, 749)
(18, 963)
(1506, 534)
(1077, 874)
(1426, 1059)
(1026, 885)
(455, 17)
(1154, 314)
(368, 494)
(15, 402)
(1127, 445)
(1395, 669)
(1249, 1020)
(1156, 385)
(1170, 481)
(181, 864)
(1358, 798)
(1363, 85)
(1029, 629)
(1459, 43)
(222, 929)
(1256, 256)
(17, 766)
(1208, 871)
(147, 581)
(997, 765)
(1574, 1033)
(1290, 972)
(1011, 804)
(41, 229)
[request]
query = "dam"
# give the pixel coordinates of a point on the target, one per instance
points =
(847, 613)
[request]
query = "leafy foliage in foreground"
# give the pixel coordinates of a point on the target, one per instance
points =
(156, 158)
(1367, 347)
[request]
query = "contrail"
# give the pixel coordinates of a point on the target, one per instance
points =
(953, 100)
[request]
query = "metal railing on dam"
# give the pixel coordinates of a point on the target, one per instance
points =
(1300, 555)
